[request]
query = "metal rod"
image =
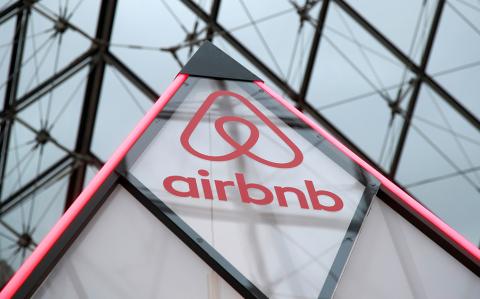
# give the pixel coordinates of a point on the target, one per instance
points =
(9, 11)
(454, 103)
(48, 84)
(34, 184)
(416, 90)
(12, 86)
(322, 16)
(131, 76)
(214, 15)
(92, 98)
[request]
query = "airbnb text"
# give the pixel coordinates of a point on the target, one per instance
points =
(209, 189)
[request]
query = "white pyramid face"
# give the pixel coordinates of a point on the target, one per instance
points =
(271, 202)
(125, 252)
(393, 259)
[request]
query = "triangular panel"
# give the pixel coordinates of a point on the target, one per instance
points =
(210, 61)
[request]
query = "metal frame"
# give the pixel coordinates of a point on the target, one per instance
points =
(454, 103)
(12, 86)
(115, 172)
(214, 14)
(37, 182)
(99, 55)
(416, 90)
(322, 16)
(300, 98)
(92, 97)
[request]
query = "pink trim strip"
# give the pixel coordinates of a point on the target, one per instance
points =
(46, 244)
(407, 199)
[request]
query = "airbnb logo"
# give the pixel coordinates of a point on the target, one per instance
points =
(305, 196)
(238, 149)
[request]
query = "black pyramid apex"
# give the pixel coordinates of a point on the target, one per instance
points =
(210, 61)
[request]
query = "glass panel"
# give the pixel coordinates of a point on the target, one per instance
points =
(121, 106)
(462, 83)
(125, 252)
(393, 259)
(440, 163)
(281, 212)
(27, 158)
(360, 87)
(255, 24)
(81, 13)
(25, 224)
(44, 132)
(47, 50)
(151, 54)
(454, 61)
(406, 23)
(90, 173)
(458, 38)
(57, 112)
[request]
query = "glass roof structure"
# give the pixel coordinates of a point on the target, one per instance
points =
(396, 81)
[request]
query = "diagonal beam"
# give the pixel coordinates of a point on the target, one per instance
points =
(43, 178)
(92, 98)
(9, 11)
(214, 15)
(416, 90)
(111, 59)
(58, 78)
(322, 16)
(454, 103)
(12, 86)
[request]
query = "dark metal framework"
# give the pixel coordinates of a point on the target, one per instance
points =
(74, 163)
(121, 177)
(92, 98)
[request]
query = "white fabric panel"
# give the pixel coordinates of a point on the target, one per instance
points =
(393, 259)
(125, 252)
